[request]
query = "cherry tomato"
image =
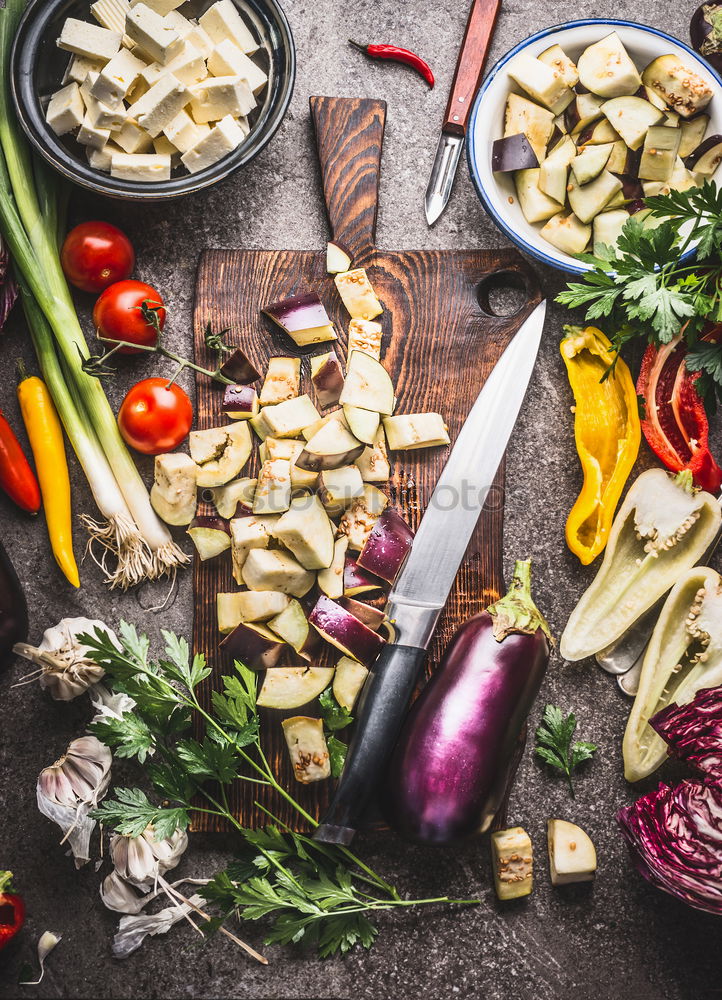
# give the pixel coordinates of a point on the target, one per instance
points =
(155, 417)
(119, 314)
(95, 255)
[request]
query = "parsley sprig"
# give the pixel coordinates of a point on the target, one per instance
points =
(643, 288)
(554, 743)
(310, 892)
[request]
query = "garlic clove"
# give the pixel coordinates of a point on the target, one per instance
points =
(119, 895)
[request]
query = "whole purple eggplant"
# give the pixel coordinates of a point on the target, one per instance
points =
(705, 31)
(450, 766)
(13, 608)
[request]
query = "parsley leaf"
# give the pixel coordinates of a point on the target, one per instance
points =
(554, 743)
(334, 716)
(337, 755)
(131, 812)
(129, 736)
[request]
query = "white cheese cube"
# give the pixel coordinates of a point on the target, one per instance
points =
(222, 20)
(87, 85)
(106, 115)
(163, 145)
(89, 40)
(219, 96)
(184, 133)
(78, 69)
(151, 74)
(161, 7)
(117, 77)
(111, 14)
(65, 110)
(179, 23)
(100, 159)
(160, 105)
(200, 40)
(140, 166)
(220, 141)
(91, 135)
(139, 88)
(188, 66)
(132, 139)
(226, 59)
(151, 33)
(243, 125)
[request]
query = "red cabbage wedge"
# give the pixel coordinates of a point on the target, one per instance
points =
(693, 732)
(450, 766)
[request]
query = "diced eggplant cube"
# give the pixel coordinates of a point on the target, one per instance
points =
(661, 147)
(684, 91)
(567, 233)
(606, 69)
(514, 152)
(543, 84)
(307, 749)
(522, 116)
(536, 206)
(556, 57)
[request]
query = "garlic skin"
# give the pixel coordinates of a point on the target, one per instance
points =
(65, 669)
(109, 704)
(133, 930)
(119, 895)
(140, 860)
(71, 787)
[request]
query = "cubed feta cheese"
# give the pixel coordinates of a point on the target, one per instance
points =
(200, 40)
(161, 7)
(219, 96)
(91, 135)
(111, 14)
(152, 74)
(151, 33)
(87, 85)
(163, 145)
(117, 77)
(226, 59)
(220, 141)
(100, 159)
(188, 66)
(78, 69)
(184, 133)
(141, 166)
(89, 40)
(132, 139)
(160, 105)
(179, 23)
(109, 116)
(222, 20)
(65, 110)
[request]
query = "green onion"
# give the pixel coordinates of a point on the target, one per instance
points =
(134, 532)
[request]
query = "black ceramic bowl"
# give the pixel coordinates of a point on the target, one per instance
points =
(37, 67)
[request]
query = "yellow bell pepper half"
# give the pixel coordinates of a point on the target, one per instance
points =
(607, 432)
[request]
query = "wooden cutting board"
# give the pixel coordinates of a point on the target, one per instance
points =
(441, 340)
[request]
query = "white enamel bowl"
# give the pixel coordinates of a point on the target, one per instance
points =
(496, 191)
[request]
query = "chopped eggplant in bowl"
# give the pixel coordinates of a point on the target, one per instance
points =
(580, 123)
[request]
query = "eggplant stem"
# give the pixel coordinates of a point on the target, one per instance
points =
(516, 612)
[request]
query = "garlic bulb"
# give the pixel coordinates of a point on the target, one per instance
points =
(119, 895)
(65, 669)
(140, 860)
(71, 787)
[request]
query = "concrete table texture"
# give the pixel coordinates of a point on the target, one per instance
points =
(616, 938)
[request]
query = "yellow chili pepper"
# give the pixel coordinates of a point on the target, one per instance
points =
(607, 432)
(45, 434)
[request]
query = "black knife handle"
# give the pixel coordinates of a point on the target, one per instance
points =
(381, 711)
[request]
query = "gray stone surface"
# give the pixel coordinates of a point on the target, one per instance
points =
(615, 939)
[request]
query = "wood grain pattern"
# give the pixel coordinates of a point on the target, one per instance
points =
(470, 64)
(349, 137)
(439, 346)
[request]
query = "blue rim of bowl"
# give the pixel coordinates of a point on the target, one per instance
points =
(471, 156)
(186, 184)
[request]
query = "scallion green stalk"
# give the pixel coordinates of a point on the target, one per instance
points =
(31, 235)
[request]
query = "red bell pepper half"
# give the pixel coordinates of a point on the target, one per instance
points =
(675, 423)
(12, 910)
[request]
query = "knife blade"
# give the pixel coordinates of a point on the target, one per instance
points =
(467, 77)
(418, 598)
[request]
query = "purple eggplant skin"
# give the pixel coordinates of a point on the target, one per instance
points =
(705, 32)
(13, 609)
(450, 767)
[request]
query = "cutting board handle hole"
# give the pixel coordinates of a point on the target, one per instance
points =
(503, 294)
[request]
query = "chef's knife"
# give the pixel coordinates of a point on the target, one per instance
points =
(420, 593)
(467, 77)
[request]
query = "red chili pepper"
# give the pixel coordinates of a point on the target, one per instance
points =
(675, 423)
(16, 477)
(12, 910)
(395, 54)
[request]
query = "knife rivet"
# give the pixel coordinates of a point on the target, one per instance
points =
(461, 100)
(456, 118)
